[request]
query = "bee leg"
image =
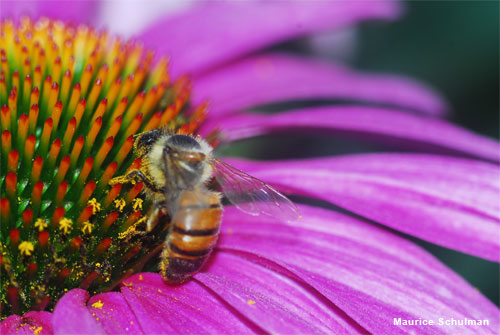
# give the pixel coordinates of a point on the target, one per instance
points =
(155, 214)
(133, 177)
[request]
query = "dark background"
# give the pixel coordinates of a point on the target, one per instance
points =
(453, 46)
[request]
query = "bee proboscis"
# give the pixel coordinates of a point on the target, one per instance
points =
(175, 169)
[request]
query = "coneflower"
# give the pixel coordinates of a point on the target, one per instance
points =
(72, 100)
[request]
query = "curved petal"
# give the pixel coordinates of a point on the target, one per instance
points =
(275, 77)
(371, 274)
(80, 11)
(184, 309)
(277, 303)
(30, 323)
(413, 131)
(216, 32)
(114, 314)
(448, 201)
(71, 315)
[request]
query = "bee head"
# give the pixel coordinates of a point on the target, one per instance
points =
(184, 159)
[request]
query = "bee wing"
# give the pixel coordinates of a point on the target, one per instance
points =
(251, 195)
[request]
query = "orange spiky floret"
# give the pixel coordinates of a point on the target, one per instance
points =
(72, 98)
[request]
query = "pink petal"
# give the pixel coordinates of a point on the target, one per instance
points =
(394, 127)
(78, 11)
(114, 314)
(216, 32)
(273, 77)
(277, 303)
(71, 315)
(448, 201)
(365, 271)
(30, 323)
(185, 309)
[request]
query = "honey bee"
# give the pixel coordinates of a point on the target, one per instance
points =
(175, 170)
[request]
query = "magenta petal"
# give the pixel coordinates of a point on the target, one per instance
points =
(30, 323)
(80, 11)
(448, 201)
(277, 303)
(114, 314)
(275, 77)
(185, 309)
(371, 274)
(423, 133)
(216, 32)
(71, 315)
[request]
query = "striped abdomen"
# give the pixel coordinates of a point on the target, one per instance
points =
(192, 234)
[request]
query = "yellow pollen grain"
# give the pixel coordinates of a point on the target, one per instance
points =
(26, 248)
(119, 204)
(41, 224)
(65, 225)
(141, 277)
(96, 206)
(87, 227)
(251, 302)
(137, 205)
(98, 304)
(37, 330)
(160, 291)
